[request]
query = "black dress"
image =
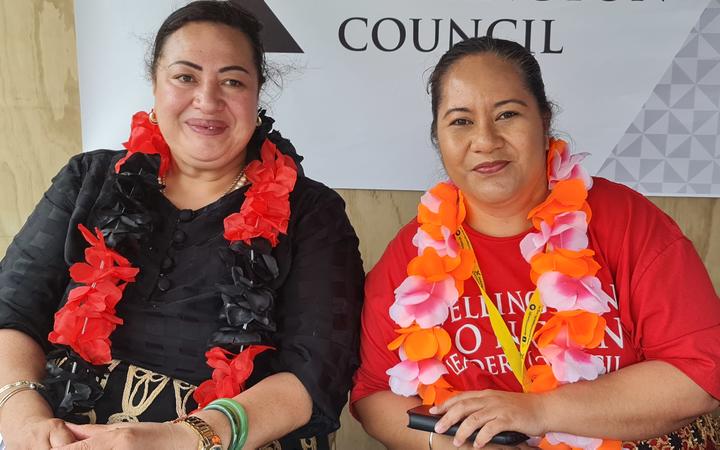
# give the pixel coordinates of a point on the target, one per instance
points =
(173, 307)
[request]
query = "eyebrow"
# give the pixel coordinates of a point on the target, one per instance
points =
(453, 110)
(199, 67)
(510, 100)
(497, 105)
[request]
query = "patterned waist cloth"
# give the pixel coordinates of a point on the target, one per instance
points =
(701, 433)
(135, 394)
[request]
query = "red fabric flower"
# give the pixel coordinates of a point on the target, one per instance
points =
(85, 324)
(88, 318)
(102, 262)
(145, 137)
(266, 210)
(231, 372)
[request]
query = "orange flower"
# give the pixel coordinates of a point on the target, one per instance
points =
(429, 265)
(545, 445)
(444, 206)
(433, 267)
(566, 196)
(576, 264)
(581, 328)
(463, 270)
(422, 343)
(540, 378)
(436, 393)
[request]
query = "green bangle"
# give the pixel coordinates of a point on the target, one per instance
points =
(238, 420)
(234, 422)
(239, 411)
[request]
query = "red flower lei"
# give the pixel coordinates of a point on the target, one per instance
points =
(88, 318)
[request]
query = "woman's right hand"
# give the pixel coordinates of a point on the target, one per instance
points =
(27, 423)
(37, 433)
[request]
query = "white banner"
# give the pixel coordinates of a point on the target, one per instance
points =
(354, 98)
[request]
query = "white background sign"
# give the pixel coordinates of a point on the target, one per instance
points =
(361, 118)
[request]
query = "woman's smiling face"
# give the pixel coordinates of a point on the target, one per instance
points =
(206, 94)
(491, 133)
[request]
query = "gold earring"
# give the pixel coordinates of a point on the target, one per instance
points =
(152, 117)
(259, 121)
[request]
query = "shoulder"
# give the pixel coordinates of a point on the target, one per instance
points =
(309, 192)
(317, 210)
(93, 162)
(83, 172)
(620, 207)
(627, 231)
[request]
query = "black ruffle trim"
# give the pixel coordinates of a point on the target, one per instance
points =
(72, 385)
(248, 303)
(127, 218)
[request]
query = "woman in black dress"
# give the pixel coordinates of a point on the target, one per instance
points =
(201, 256)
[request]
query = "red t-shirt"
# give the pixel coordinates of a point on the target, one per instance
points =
(664, 304)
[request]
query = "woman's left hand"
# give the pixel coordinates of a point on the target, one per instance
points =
(129, 436)
(492, 412)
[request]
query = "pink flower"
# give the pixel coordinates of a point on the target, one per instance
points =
(566, 293)
(567, 167)
(430, 202)
(584, 443)
(571, 364)
(424, 302)
(406, 376)
(447, 247)
(569, 232)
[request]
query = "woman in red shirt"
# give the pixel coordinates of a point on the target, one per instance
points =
(530, 297)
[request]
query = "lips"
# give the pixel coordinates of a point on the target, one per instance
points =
(207, 127)
(491, 167)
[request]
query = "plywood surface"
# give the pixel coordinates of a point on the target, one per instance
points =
(39, 103)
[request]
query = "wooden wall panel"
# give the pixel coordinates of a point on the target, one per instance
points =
(39, 103)
(40, 129)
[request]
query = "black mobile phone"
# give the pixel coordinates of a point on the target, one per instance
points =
(421, 419)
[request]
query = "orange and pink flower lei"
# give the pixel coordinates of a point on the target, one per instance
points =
(561, 266)
(88, 318)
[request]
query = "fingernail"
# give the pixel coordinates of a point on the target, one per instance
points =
(433, 410)
(439, 428)
(457, 443)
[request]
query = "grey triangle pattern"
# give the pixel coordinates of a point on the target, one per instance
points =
(716, 174)
(672, 145)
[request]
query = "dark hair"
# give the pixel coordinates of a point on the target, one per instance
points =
(510, 51)
(222, 12)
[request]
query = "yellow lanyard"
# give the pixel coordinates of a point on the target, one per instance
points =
(515, 357)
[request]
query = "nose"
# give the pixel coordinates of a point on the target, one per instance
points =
(486, 138)
(208, 98)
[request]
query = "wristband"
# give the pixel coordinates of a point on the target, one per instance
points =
(209, 440)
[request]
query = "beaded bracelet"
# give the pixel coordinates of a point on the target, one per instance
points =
(235, 413)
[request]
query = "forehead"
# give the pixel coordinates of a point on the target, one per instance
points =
(482, 77)
(207, 43)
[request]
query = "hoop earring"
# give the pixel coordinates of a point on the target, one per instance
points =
(152, 117)
(259, 121)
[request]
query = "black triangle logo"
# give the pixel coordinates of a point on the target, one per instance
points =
(274, 35)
